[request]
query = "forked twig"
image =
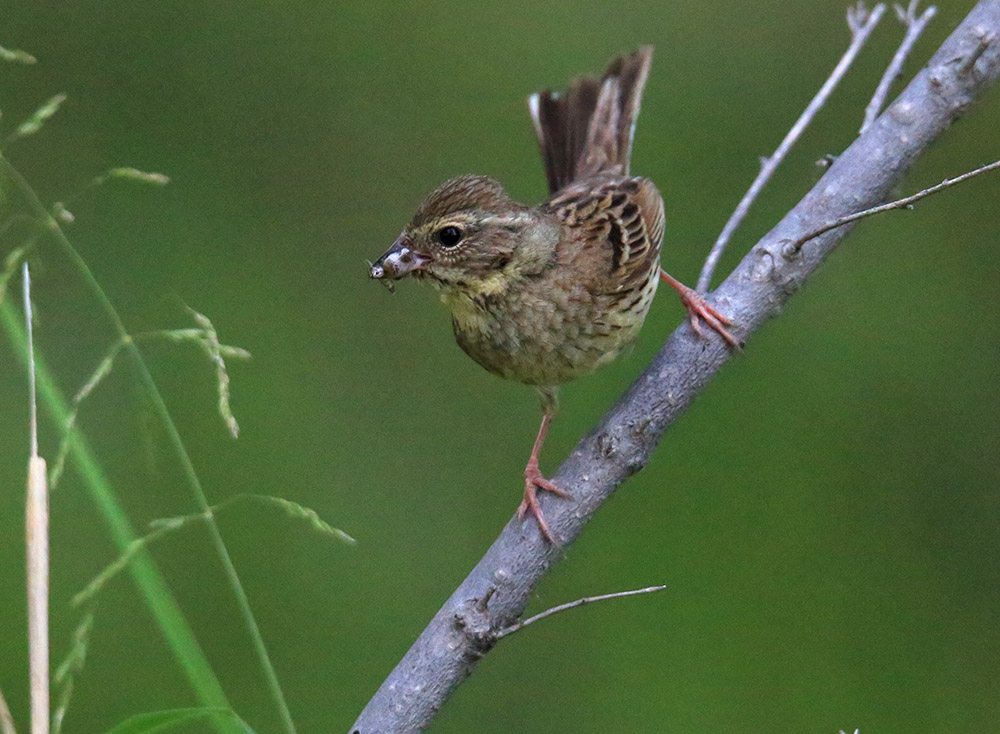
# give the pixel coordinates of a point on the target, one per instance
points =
(572, 605)
(861, 23)
(914, 27)
(792, 248)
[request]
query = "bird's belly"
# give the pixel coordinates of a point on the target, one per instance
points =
(541, 341)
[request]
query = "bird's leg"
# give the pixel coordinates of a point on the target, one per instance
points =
(698, 308)
(534, 480)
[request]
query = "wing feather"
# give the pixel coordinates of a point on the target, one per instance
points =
(618, 226)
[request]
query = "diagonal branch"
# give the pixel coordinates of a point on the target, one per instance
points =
(861, 23)
(466, 626)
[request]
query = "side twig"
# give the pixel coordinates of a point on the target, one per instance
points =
(573, 605)
(37, 549)
(792, 248)
(861, 23)
(914, 27)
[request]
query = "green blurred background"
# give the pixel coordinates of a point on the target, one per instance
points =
(826, 516)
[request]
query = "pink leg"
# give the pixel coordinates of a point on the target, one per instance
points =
(533, 481)
(697, 307)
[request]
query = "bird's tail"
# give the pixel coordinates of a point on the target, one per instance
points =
(589, 129)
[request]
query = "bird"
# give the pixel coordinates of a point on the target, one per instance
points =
(545, 294)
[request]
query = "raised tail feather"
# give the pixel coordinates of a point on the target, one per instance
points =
(589, 129)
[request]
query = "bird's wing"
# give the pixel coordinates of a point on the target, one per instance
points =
(616, 226)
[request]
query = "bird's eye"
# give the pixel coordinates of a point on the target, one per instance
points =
(449, 236)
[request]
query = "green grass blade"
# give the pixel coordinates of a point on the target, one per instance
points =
(51, 226)
(152, 587)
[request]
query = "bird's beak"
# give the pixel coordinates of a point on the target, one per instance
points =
(398, 260)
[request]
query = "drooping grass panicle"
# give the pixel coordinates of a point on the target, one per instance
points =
(149, 582)
(162, 527)
(125, 173)
(198, 337)
(97, 376)
(210, 344)
(157, 595)
(16, 56)
(134, 174)
(113, 568)
(205, 339)
(70, 667)
(34, 123)
(10, 266)
(295, 510)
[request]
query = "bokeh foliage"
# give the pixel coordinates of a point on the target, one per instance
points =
(826, 516)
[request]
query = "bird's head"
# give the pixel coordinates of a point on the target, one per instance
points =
(469, 236)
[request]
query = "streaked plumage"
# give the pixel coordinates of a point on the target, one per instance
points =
(545, 294)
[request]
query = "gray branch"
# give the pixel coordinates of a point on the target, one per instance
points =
(496, 592)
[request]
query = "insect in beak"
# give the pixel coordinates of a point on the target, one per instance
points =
(397, 261)
(387, 283)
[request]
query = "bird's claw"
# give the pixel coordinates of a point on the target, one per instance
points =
(533, 481)
(699, 309)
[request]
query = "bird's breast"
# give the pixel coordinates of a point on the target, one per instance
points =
(542, 335)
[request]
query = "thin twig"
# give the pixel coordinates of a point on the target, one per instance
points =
(914, 27)
(861, 24)
(37, 550)
(793, 247)
(6, 720)
(572, 605)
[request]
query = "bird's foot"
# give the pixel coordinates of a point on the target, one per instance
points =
(533, 481)
(700, 310)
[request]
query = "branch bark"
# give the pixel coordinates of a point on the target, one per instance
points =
(466, 628)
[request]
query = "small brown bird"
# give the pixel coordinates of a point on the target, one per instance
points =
(545, 294)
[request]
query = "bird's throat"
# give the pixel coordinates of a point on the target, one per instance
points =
(470, 302)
